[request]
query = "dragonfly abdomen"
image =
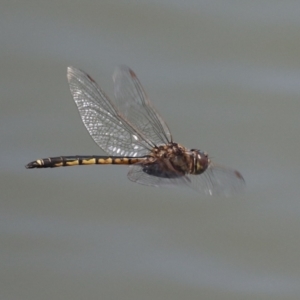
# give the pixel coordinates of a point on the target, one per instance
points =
(77, 160)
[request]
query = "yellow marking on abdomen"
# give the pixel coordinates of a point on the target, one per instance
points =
(105, 161)
(91, 161)
(69, 163)
(40, 162)
(60, 164)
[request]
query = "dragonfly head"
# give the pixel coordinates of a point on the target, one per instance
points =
(201, 161)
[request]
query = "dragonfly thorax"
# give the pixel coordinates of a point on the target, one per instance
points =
(174, 157)
(179, 159)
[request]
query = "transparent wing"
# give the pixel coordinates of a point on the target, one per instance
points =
(134, 105)
(216, 180)
(104, 123)
(162, 177)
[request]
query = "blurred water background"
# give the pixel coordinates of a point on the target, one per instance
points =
(225, 75)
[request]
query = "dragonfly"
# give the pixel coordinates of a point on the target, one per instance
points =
(132, 132)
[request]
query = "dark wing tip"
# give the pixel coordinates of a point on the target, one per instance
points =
(239, 176)
(73, 72)
(123, 69)
(132, 74)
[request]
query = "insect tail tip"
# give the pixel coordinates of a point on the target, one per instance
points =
(31, 165)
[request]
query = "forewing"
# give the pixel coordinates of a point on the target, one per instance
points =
(217, 180)
(134, 105)
(102, 120)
